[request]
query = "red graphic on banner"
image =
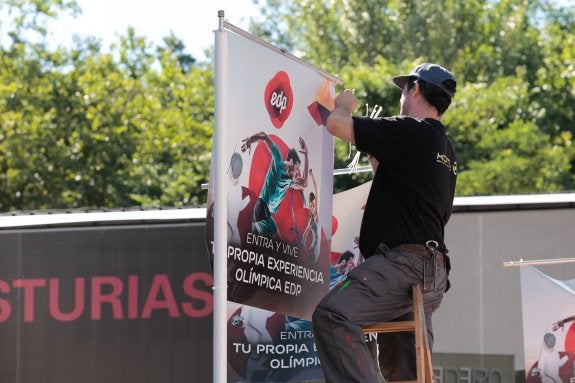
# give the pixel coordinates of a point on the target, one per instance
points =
(564, 362)
(291, 215)
(570, 339)
(334, 224)
(278, 98)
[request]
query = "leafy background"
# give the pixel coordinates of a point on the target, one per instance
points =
(131, 125)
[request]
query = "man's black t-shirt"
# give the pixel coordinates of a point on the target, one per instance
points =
(411, 197)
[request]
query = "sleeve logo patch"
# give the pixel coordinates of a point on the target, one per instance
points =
(445, 161)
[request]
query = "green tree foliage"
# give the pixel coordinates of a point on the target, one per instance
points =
(83, 128)
(131, 125)
(512, 118)
(501, 149)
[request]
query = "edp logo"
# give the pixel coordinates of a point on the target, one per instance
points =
(278, 98)
(279, 101)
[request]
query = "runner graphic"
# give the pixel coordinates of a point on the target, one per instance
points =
(281, 176)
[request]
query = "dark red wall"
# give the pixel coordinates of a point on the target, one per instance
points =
(106, 304)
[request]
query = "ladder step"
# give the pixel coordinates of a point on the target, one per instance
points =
(390, 326)
(424, 368)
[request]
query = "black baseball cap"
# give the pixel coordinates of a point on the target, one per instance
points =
(431, 73)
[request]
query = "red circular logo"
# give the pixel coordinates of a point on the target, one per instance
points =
(278, 98)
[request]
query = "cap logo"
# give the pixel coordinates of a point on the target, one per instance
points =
(278, 98)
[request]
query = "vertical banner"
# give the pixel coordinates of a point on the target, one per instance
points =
(279, 189)
(348, 207)
(548, 327)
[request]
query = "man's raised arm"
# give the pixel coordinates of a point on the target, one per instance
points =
(339, 123)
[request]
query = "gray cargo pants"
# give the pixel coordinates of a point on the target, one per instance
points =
(378, 290)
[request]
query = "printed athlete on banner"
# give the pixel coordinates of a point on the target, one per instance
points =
(549, 327)
(556, 363)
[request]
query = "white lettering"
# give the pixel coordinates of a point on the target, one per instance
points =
(279, 101)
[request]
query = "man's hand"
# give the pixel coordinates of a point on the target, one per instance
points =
(340, 121)
(347, 100)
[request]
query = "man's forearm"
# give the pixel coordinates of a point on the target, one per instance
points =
(340, 124)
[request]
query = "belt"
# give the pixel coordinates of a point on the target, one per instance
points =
(422, 251)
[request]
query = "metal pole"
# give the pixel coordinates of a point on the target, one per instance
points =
(257, 40)
(521, 262)
(220, 206)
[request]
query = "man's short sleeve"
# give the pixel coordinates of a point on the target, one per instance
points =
(382, 137)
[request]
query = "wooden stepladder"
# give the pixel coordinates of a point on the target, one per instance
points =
(418, 326)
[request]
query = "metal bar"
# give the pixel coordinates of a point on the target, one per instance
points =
(359, 169)
(554, 261)
(256, 39)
